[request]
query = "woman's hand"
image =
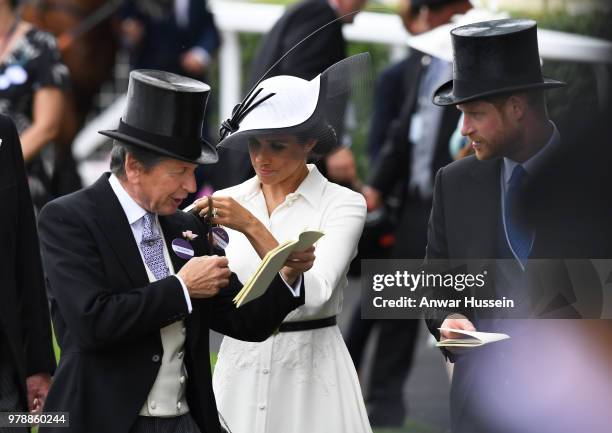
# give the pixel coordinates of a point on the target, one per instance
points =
(229, 213)
(297, 263)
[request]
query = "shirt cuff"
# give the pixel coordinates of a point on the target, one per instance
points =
(186, 293)
(202, 55)
(295, 290)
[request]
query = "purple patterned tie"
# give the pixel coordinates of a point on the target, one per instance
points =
(152, 248)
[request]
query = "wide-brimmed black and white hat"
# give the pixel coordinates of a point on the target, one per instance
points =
(164, 114)
(492, 58)
(303, 108)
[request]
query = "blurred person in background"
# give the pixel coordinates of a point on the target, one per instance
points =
(26, 355)
(176, 36)
(32, 81)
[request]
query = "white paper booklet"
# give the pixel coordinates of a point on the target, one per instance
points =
(471, 339)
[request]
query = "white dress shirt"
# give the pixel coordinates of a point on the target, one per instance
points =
(135, 215)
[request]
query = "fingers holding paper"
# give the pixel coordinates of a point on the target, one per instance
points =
(455, 321)
(297, 263)
(204, 276)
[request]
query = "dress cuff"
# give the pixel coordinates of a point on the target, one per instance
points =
(295, 290)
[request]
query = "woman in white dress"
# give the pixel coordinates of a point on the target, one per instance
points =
(302, 379)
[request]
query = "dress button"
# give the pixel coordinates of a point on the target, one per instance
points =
(153, 405)
(155, 358)
(178, 405)
(184, 330)
(262, 407)
(179, 355)
(265, 371)
(182, 379)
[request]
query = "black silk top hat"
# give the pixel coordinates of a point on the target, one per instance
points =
(492, 58)
(164, 114)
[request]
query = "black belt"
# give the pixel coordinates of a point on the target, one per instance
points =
(307, 325)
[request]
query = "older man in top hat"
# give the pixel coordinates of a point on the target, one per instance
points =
(477, 214)
(133, 287)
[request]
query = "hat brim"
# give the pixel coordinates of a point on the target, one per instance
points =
(444, 95)
(327, 140)
(207, 156)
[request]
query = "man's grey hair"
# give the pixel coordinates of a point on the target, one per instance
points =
(119, 152)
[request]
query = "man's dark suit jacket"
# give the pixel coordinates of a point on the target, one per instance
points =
(314, 55)
(24, 312)
(164, 40)
(108, 316)
(391, 170)
(466, 223)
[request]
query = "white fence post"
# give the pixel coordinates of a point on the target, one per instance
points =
(229, 73)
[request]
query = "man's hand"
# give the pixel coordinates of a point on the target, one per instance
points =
(341, 167)
(38, 388)
(132, 32)
(205, 276)
(373, 198)
(193, 63)
(297, 263)
(455, 321)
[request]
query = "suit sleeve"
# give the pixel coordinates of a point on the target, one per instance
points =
(258, 319)
(36, 324)
(393, 160)
(436, 252)
(254, 321)
(387, 105)
(436, 248)
(209, 38)
(97, 314)
(314, 55)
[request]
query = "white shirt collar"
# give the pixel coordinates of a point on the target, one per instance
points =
(311, 187)
(132, 210)
(534, 162)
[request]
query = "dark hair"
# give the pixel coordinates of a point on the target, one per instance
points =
(14, 3)
(145, 157)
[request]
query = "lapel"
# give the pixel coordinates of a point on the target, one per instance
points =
(483, 198)
(173, 227)
(113, 223)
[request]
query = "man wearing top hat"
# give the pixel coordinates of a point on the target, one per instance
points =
(131, 309)
(477, 214)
